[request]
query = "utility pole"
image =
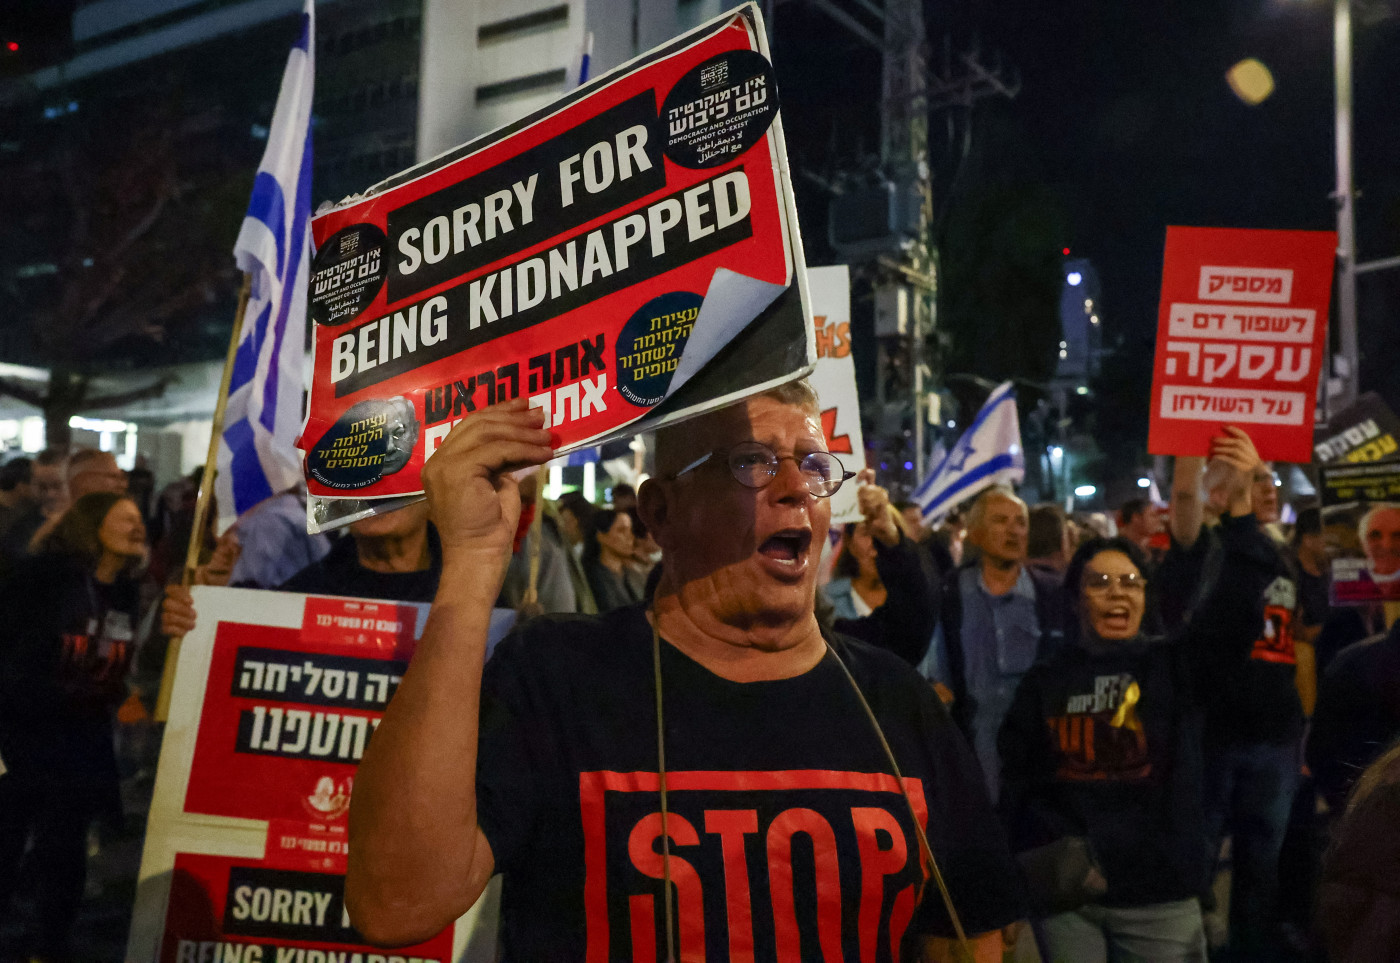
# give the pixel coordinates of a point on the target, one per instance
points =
(1346, 217)
(887, 222)
(909, 276)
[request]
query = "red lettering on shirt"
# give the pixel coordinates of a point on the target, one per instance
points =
(690, 898)
(877, 862)
(840, 815)
(780, 833)
(1275, 643)
(731, 826)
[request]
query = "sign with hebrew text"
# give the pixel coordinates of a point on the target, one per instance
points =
(623, 258)
(1241, 339)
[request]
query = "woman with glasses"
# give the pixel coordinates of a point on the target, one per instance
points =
(1102, 757)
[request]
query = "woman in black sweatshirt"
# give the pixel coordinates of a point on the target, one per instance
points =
(1101, 753)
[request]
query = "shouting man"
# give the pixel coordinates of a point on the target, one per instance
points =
(713, 739)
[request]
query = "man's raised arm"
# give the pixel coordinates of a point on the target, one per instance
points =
(418, 859)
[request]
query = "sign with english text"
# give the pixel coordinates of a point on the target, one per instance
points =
(835, 379)
(276, 697)
(624, 258)
(1241, 339)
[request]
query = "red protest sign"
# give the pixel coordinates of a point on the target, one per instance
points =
(1241, 338)
(222, 908)
(624, 258)
(287, 715)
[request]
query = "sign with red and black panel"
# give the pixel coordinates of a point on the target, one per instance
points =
(228, 909)
(624, 258)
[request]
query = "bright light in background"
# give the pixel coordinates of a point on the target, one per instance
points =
(1074, 277)
(1251, 81)
(952, 424)
(590, 480)
(1093, 319)
(98, 424)
(1081, 390)
(908, 466)
(31, 434)
(1056, 451)
(1144, 483)
(556, 483)
(1088, 305)
(1084, 491)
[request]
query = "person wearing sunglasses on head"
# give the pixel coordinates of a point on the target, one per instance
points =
(1102, 757)
(703, 775)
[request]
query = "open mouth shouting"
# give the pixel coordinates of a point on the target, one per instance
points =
(786, 553)
(1115, 620)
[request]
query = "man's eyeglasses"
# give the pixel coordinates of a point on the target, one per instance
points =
(753, 465)
(1100, 583)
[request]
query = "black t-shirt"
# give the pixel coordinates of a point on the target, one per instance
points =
(66, 642)
(340, 573)
(790, 840)
(1104, 739)
(1312, 598)
(1255, 700)
(1358, 713)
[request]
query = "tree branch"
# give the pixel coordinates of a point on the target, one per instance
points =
(27, 395)
(127, 397)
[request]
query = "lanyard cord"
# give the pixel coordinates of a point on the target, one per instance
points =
(661, 772)
(924, 847)
(918, 829)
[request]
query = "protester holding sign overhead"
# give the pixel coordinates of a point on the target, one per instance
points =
(758, 730)
(623, 258)
(1101, 751)
(1254, 721)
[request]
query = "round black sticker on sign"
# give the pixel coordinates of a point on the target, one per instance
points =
(372, 439)
(649, 346)
(346, 274)
(719, 109)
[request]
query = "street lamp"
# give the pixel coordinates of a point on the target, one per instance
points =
(1346, 215)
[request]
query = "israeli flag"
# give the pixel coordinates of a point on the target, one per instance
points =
(988, 453)
(257, 451)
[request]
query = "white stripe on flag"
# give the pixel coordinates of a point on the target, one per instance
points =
(988, 453)
(257, 452)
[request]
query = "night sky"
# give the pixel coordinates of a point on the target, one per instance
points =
(1125, 113)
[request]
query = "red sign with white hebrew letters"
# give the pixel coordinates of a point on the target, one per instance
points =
(1241, 339)
(287, 715)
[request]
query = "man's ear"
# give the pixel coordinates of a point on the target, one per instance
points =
(652, 507)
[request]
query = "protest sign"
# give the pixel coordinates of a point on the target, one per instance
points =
(1366, 430)
(1241, 339)
(624, 258)
(276, 697)
(835, 379)
(1361, 524)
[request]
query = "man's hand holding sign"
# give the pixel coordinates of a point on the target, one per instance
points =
(418, 859)
(622, 259)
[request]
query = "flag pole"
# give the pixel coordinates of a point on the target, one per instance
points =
(206, 495)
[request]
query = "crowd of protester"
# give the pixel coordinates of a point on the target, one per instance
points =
(1156, 703)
